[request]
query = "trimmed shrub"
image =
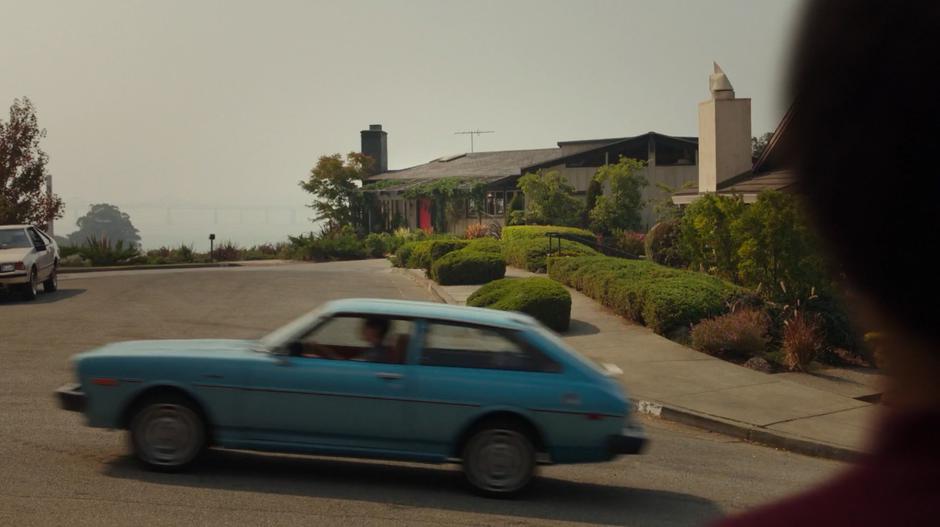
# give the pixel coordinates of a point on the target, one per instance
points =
(486, 245)
(801, 341)
(545, 300)
(541, 231)
(742, 333)
(630, 242)
(468, 267)
(531, 253)
(662, 244)
(660, 297)
(438, 248)
(345, 246)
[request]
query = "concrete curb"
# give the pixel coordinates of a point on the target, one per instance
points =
(747, 432)
(79, 270)
(431, 285)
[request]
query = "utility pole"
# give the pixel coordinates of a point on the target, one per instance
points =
(472, 133)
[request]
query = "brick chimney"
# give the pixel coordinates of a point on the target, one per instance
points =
(375, 145)
(724, 134)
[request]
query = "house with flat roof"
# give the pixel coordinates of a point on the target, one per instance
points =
(671, 160)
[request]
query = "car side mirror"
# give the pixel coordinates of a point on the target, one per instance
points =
(295, 348)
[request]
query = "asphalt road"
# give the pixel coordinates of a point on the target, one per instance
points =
(55, 471)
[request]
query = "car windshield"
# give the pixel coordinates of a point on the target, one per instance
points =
(14, 239)
(284, 334)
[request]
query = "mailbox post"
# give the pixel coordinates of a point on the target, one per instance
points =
(211, 247)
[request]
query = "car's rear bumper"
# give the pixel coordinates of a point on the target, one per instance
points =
(631, 441)
(71, 398)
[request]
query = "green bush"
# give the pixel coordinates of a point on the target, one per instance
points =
(541, 231)
(438, 248)
(468, 267)
(376, 244)
(486, 245)
(545, 300)
(662, 244)
(660, 297)
(530, 253)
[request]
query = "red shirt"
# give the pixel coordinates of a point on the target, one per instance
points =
(897, 484)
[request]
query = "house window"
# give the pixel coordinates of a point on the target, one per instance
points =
(496, 203)
(471, 208)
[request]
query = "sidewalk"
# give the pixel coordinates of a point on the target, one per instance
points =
(810, 414)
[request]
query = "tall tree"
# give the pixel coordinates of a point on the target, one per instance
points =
(105, 222)
(706, 239)
(550, 199)
(620, 206)
(23, 197)
(335, 182)
(759, 144)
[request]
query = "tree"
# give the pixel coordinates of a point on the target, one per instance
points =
(105, 223)
(664, 208)
(777, 250)
(594, 191)
(759, 144)
(620, 207)
(23, 169)
(550, 199)
(706, 239)
(334, 182)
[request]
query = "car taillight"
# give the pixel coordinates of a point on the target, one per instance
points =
(20, 266)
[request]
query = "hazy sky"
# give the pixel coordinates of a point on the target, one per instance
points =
(173, 109)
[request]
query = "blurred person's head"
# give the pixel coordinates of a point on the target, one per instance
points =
(374, 330)
(863, 138)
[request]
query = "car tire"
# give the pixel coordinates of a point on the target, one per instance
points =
(51, 284)
(167, 433)
(30, 290)
(499, 459)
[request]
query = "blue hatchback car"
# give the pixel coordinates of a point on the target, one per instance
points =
(372, 378)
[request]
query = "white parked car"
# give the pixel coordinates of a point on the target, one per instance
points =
(28, 257)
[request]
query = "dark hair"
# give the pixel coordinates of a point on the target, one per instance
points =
(864, 128)
(381, 325)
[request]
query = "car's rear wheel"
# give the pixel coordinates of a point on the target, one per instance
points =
(499, 459)
(30, 290)
(52, 283)
(167, 433)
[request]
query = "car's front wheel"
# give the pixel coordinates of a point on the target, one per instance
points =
(499, 460)
(30, 290)
(167, 433)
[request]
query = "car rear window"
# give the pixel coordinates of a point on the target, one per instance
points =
(467, 346)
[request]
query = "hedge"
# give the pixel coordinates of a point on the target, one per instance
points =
(486, 245)
(660, 297)
(548, 301)
(541, 231)
(530, 253)
(468, 267)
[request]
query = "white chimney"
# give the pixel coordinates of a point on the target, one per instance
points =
(724, 134)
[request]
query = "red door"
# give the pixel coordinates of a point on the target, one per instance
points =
(424, 214)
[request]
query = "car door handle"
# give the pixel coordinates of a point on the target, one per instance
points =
(388, 376)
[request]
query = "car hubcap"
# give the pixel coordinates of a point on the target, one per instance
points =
(501, 461)
(169, 434)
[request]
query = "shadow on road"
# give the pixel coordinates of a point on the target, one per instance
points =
(579, 327)
(11, 298)
(426, 486)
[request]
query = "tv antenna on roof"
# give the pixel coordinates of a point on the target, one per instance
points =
(472, 133)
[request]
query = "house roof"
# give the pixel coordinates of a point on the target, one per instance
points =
(494, 166)
(770, 172)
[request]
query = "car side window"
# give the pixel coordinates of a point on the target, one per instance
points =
(35, 238)
(467, 346)
(359, 338)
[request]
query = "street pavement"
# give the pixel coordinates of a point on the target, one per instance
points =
(55, 471)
